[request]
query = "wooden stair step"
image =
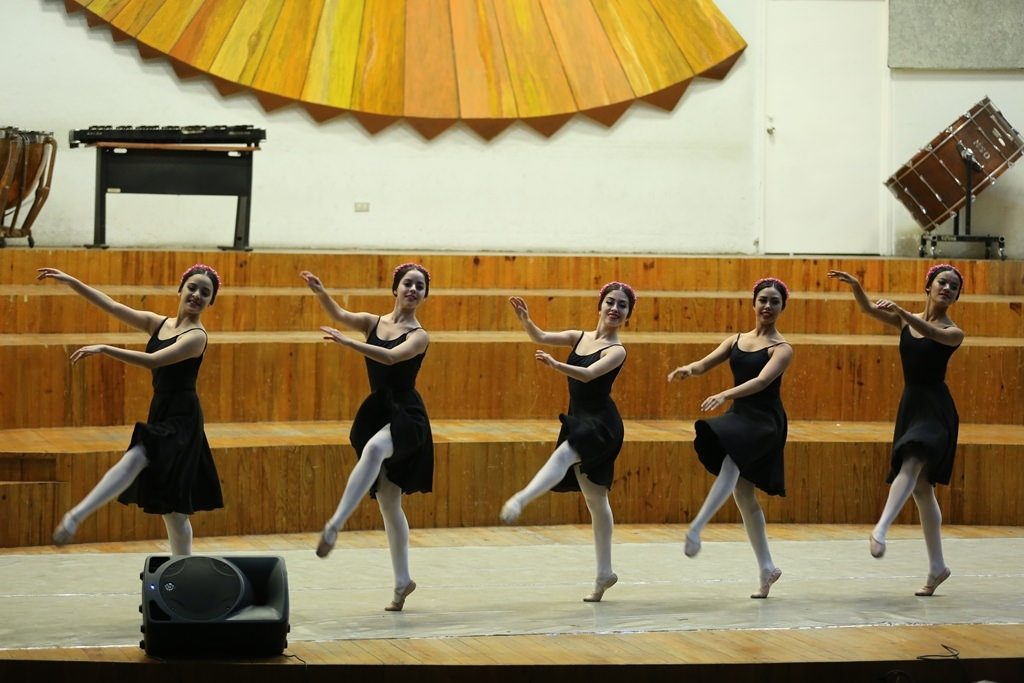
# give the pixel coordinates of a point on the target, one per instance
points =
(295, 376)
(38, 308)
(288, 477)
(507, 270)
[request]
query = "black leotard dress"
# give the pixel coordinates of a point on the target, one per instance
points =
(181, 476)
(752, 432)
(592, 426)
(927, 421)
(394, 400)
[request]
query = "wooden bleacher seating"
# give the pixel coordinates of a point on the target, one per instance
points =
(277, 398)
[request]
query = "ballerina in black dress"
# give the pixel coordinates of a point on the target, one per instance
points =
(744, 447)
(168, 468)
(924, 442)
(391, 431)
(591, 433)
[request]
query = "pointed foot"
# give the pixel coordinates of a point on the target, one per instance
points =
(600, 586)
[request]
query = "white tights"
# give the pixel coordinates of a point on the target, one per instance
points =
(369, 469)
(729, 482)
(912, 480)
(596, 496)
(114, 482)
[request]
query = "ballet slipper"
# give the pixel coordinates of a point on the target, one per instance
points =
(65, 531)
(401, 594)
(600, 586)
(768, 577)
(933, 583)
(877, 547)
(692, 545)
(328, 538)
(511, 510)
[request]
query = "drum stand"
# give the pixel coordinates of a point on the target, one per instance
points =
(970, 165)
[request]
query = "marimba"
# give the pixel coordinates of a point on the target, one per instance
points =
(193, 160)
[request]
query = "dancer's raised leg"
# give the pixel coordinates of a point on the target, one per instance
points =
(378, 449)
(117, 479)
(603, 524)
(900, 490)
(725, 484)
(546, 478)
(396, 526)
(754, 524)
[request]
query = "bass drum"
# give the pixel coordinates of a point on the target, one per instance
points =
(932, 185)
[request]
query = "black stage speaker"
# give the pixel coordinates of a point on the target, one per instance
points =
(210, 606)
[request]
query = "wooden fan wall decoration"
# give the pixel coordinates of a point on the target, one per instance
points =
(487, 63)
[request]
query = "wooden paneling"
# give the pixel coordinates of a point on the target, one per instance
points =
(201, 40)
(283, 69)
(834, 474)
(508, 271)
(267, 373)
(29, 511)
(47, 308)
(295, 376)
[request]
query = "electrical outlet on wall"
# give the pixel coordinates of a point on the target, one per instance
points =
(362, 207)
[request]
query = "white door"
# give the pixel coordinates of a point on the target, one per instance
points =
(825, 105)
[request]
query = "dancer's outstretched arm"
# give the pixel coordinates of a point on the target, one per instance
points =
(415, 344)
(356, 321)
(140, 320)
(613, 357)
(190, 344)
(775, 366)
(719, 355)
(950, 335)
(886, 316)
(564, 338)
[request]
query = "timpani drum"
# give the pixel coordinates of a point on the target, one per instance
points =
(932, 185)
(26, 168)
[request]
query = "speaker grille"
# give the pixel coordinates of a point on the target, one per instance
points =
(201, 588)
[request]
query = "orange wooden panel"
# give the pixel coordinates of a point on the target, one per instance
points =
(332, 64)
(591, 65)
(431, 89)
(380, 79)
(538, 79)
(244, 46)
(168, 24)
(485, 87)
(135, 15)
(651, 58)
(715, 42)
(203, 37)
(282, 70)
(107, 9)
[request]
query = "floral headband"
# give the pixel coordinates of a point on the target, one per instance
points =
(630, 294)
(195, 267)
(934, 270)
(408, 266)
(775, 282)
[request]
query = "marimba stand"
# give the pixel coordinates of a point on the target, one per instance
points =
(145, 168)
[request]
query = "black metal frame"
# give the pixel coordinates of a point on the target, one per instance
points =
(970, 165)
(174, 170)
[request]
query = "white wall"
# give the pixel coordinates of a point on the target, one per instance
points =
(686, 181)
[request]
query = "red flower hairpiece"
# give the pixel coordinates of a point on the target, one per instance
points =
(630, 294)
(406, 266)
(201, 266)
(775, 281)
(944, 266)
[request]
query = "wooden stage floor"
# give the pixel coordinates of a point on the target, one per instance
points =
(505, 604)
